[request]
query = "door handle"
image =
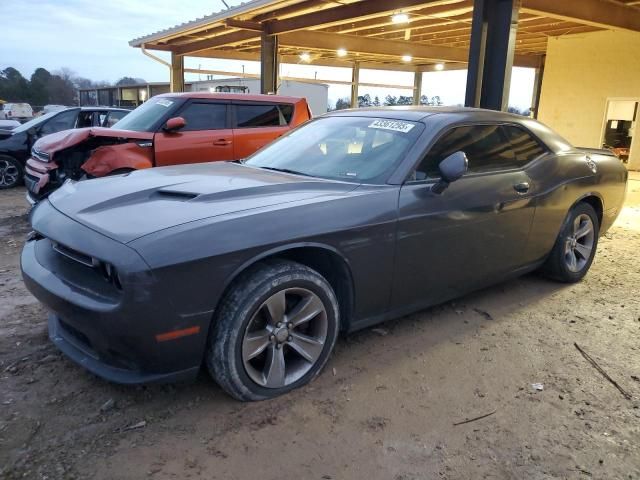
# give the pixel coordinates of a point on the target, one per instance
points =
(222, 142)
(522, 187)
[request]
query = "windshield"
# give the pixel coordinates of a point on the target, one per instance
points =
(145, 118)
(355, 149)
(34, 122)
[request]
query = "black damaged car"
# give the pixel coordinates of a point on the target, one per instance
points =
(16, 144)
(359, 216)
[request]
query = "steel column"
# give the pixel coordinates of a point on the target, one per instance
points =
(269, 63)
(355, 80)
(417, 87)
(493, 36)
(537, 89)
(176, 77)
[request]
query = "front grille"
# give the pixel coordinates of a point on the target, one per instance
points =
(75, 255)
(40, 155)
(105, 269)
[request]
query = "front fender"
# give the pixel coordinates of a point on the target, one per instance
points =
(108, 158)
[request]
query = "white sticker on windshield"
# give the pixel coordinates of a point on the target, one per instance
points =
(165, 103)
(393, 125)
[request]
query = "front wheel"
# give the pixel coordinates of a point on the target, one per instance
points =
(10, 172)
(575, 246)
(274, 331)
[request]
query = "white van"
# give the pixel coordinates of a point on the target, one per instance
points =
(16, 111)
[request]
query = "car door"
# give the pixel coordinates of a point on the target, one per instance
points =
(64, 120)
(206, 136)
(473, 233)
(257, 124)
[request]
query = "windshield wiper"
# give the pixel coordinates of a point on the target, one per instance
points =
(287, 170)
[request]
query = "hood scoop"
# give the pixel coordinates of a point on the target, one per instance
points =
(175, 195)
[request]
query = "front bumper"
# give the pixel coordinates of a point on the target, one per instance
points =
(77, 351)
(40, 178)
(110, 329)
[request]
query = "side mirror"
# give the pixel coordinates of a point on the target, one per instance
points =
(451, 169)
(174, 124)
(32, 132)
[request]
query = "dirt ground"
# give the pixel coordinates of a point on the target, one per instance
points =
(384, 408)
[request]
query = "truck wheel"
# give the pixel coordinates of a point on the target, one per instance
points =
(273, 332)
(11, 172)
(575, 246)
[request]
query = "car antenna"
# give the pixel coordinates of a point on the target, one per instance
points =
(225, 4)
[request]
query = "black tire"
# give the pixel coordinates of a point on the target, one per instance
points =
(244, 303)
(557, 265)
(11, 172)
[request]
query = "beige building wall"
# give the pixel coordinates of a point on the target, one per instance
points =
(583, 71)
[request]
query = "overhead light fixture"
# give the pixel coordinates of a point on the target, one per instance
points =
(407, 58)
(400, 18)
(439, 66)
(342, 52)
(305, 57)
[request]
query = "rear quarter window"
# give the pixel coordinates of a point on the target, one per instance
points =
(525, 146)
(263, 115)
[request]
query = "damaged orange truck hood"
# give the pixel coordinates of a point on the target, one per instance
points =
(67, 138)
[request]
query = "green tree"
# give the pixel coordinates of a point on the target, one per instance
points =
(38, 93)
(343, 103)
(390, 100)
(364, 100)
(13, 86)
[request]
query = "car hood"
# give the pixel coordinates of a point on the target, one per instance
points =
(5, 133)
(128, 207)
(58, 141)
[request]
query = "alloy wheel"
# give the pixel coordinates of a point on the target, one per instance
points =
(9, 173)
(579, 244)
(284, 338)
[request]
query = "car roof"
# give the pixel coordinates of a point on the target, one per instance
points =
(234, 96)
(104, 109)
(417, 113)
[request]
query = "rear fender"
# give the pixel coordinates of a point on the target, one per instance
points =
(108, 158)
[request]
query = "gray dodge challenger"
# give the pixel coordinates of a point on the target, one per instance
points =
(253, 268)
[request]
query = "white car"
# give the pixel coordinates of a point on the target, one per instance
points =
(9, 124)
(16, 111)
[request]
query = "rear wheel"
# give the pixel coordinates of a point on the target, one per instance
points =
(10, 172)
(274, 331)
(575, 247)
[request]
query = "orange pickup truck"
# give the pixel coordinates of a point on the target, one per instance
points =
(169, 129)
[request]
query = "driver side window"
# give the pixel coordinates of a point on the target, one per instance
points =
(62, 121)
(486, 146)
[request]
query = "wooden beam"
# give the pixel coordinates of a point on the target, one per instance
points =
(294, 59)
(244, 24)
(392, 48)
(226, 40)
(597, 13)
(350, 12)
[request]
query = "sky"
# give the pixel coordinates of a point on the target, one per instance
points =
(92, 38)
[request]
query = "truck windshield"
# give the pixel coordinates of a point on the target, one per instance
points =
(353, 149)
(145, 118)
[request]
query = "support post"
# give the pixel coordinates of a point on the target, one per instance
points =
(355, 80)
(417, 87)
(176, 81)
(493, 36)
(537, 88)
(269, 63)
